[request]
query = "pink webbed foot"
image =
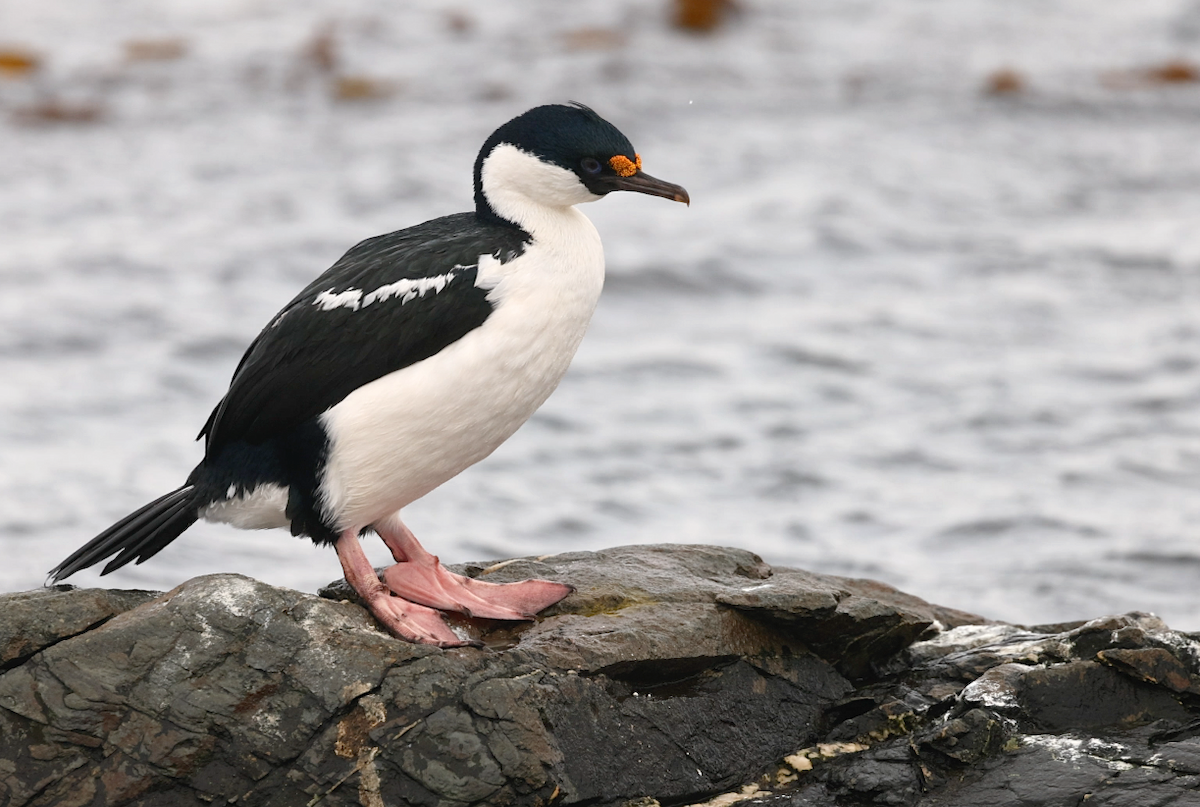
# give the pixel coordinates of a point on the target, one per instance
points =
(414, 622)
(403, 619)
(420, 577)
(432, 585)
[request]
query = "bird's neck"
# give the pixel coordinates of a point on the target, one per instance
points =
(515, 188)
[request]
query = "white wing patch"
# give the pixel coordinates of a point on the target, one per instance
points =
(406, 289)
(328, 300)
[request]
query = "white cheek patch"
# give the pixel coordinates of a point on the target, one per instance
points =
(406, 289)
(514, 181)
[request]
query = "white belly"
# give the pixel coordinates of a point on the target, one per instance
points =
(399, 437)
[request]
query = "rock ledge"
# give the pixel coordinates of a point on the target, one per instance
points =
(674, 675)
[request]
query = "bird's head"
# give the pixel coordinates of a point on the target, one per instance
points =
(558, 156)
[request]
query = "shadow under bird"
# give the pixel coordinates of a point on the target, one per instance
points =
(412, 358)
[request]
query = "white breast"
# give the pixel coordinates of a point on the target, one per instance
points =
(399, 437)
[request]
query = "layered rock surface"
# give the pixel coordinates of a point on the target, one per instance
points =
(674, 674)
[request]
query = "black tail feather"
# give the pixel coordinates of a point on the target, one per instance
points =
(155, 535)
(138, 536)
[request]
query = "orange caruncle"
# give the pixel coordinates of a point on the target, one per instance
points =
(624, 167)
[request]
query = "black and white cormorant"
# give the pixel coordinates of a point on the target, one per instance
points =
(412, 358)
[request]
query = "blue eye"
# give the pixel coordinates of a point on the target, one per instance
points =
(591, 165)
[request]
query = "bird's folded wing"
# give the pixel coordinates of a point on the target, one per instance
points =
(389, 302)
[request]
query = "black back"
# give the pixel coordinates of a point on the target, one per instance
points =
(309, 358)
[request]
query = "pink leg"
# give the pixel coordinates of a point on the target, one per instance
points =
(420, 577)
(403, 619)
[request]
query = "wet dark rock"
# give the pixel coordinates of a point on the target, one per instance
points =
(1098, 713)
(673, 675)
(33, 620)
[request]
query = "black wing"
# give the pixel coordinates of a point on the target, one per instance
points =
(359, 321)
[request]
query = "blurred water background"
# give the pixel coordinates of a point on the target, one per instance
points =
(932, 318)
